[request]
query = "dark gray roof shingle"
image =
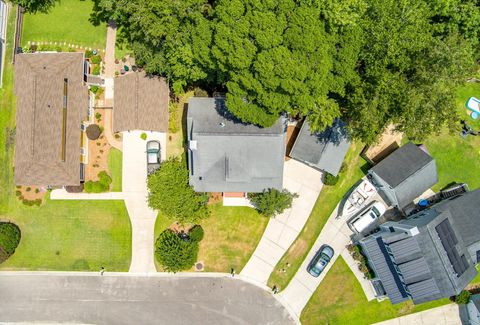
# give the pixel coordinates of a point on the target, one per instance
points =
(226, 155)
(322, 150)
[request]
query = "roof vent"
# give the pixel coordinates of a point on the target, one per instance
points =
(222, 125)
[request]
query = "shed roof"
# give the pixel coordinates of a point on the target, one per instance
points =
(40, 79)
(226, 155)
(324, 150)
(140, 103)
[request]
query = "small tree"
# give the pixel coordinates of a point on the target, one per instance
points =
(9, 239)
(272, 202)
(329, 179)
(174, 253)
(463, 297)
(170, 192)
(196, 233)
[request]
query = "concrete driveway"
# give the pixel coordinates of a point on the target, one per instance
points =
(444, 315)
(297, 294)
(134, 187)
(282, 230)
(117, 300)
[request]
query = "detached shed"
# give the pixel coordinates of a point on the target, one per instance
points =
(405, 174)
(324, 150)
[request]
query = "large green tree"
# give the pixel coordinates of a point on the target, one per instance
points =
(33, 6)
(170, 193)
(168, 37)
(175, 254)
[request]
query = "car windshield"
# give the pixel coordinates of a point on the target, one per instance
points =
(375, 213)
(152, 158)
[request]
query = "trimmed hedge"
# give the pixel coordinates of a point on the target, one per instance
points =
(9, 239)
(102, 185)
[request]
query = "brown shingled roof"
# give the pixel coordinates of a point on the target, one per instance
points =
(39, 87)
(140, 103)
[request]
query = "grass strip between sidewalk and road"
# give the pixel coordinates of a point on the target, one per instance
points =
(326, 202)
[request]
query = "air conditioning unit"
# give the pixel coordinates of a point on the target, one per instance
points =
(192, 144)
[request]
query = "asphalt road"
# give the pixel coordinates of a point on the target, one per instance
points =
(135, 300)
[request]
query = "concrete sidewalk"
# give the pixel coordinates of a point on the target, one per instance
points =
(282, 230)
(62, 194)
(444, 315)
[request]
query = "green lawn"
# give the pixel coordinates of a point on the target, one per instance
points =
(458, 159)
(71, 235)
(339, 299)
(67, 22)
(59, 235)
(328, 199)
(231, 236)
(115, 168)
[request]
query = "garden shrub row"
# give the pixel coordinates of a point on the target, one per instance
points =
(9, 239)
(102, 185)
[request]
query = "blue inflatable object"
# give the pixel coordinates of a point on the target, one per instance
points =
(474, 115)
(423, 203)
(94, 52)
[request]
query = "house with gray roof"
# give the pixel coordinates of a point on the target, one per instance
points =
(430, 255)
(52, 102)
(226, 155)
(324, 150)
(404, 175)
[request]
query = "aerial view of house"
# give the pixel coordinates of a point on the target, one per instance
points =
(239, 162)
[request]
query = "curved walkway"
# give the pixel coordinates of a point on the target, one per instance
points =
(89, 298)
(108, 123)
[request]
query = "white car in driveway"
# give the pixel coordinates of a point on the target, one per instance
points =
(367, 217)
(153, 156)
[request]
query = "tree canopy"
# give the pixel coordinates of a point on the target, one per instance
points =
(9, 239)
(33, 6)
(272, 201)
(370, 62)
(175, 254)
(170, 193)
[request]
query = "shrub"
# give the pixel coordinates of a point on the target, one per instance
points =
(117, 136)
(94, 89)
(93, 131)
(98, 116)
(28, 189)
(9, 239)
(329, 179)
(143, 136)
(101, 128)
(37, 202)
(356, 252)
(173, 117)
(102, 185)
(272, 202)
(173, 253)
(58, 49)
(199, 92)
(463, 297)
(124, 59)
(96, 70)
(170, 192)
(37, 190)
(18, 193)
(88, 54)
(96, 59)
(196, 233)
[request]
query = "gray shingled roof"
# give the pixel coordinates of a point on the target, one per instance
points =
(226, 155)
(409, 171)
(140, 103)
(322, 150)
(427, 271)
(39, 87)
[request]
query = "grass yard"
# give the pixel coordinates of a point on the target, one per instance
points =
(115, 168)
(340, 300)
(67, 22)
(59, 235)
(458, 159)
(231, 236)
(71, 236)
(328, 199)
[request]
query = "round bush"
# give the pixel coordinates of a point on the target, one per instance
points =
(196, 233)
(93, 131)
(463, 297)
(9, 239)
(329, 179)
(173, 253)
